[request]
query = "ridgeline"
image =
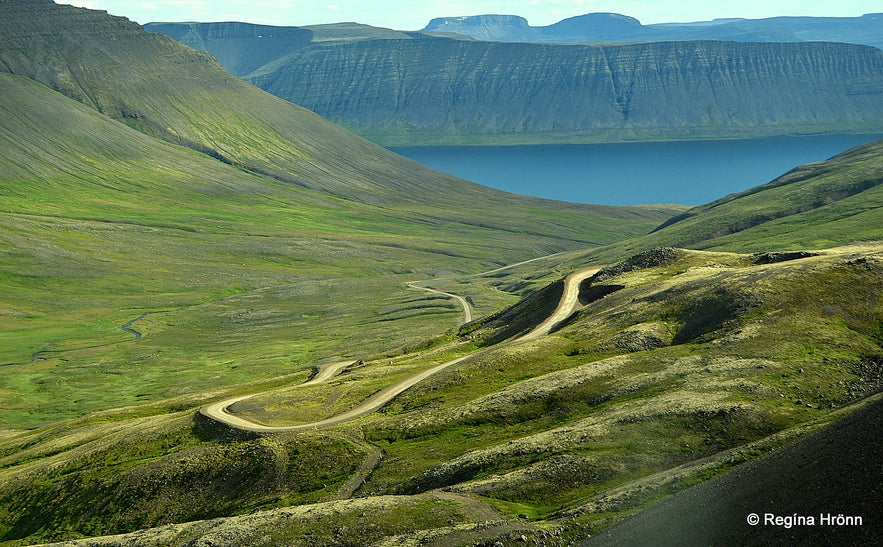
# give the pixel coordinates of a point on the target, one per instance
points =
(422, 89)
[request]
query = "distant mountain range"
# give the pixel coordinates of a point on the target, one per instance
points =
(410, 88)
(613, 27)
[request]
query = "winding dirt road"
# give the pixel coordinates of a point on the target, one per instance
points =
(569, 303)
(467, 309)
(219, 411)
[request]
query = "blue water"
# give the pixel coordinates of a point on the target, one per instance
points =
(685, 172)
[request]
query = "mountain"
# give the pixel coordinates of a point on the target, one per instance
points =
(180, 96)
(112, 65)
(172, 238)
(510, 28)
(601, 27)
(442, 90)
(243, 47)
(238, 47)
(613, 27)
(852, 30)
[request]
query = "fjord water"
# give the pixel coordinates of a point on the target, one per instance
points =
(685, 172)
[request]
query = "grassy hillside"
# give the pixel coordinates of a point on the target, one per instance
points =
(117, 204)
(693, 363)
(814, 205)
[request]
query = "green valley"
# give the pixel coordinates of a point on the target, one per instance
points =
(693, 363)
(105, 221)
(173, 239)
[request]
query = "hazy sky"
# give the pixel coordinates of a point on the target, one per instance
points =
(411, 15)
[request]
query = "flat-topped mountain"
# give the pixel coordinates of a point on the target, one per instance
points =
(485, 27)
(613, 27)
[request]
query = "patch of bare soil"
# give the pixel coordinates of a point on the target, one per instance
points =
(355, 482)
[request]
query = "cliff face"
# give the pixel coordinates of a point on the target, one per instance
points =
(438, 89)
(238, 47)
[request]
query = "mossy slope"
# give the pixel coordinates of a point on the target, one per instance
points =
(630, 401)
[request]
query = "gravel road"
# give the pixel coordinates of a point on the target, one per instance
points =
(218, 411)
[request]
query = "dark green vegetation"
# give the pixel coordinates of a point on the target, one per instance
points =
(612, 27)
(412, 89)
(248, 241)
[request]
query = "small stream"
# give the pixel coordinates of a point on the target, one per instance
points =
(128, 326)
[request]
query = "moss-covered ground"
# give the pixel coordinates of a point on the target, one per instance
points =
(629, 402)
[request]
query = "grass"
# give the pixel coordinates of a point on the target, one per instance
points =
(536, 430)
(814, 364)
(250, 271)
(138, 226)
(299, 405)
(212, 479)
(522, 510)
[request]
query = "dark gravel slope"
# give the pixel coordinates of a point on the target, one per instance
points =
(837, 470)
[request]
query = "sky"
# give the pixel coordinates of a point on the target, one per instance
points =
(411, 15)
